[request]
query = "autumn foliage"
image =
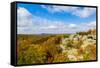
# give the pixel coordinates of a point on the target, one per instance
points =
(46, 48)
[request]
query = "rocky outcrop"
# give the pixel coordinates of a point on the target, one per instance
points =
(80, 47)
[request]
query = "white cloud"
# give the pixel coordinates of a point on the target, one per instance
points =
(49, 27)
(72, 25)
(85, 12)
(28, 23)
(23, 12)
(23, 16)
(31, 24)
(92, 24)
(55, 9)
(82, 12)
(24, 20)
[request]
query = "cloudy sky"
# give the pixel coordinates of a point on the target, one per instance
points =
(37, 19)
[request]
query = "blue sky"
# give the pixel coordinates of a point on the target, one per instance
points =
(37, 19)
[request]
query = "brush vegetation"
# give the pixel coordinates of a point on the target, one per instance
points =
(54, 48)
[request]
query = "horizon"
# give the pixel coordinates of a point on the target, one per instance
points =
(51, 33)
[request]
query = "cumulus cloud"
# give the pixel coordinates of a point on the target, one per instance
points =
(85, 12)
(82, 12)
(54, 9)
(86, 26)
(72, 26)
(22, 22)
(92, 24)
(49, 27)
(23, 12)
(28, 23)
